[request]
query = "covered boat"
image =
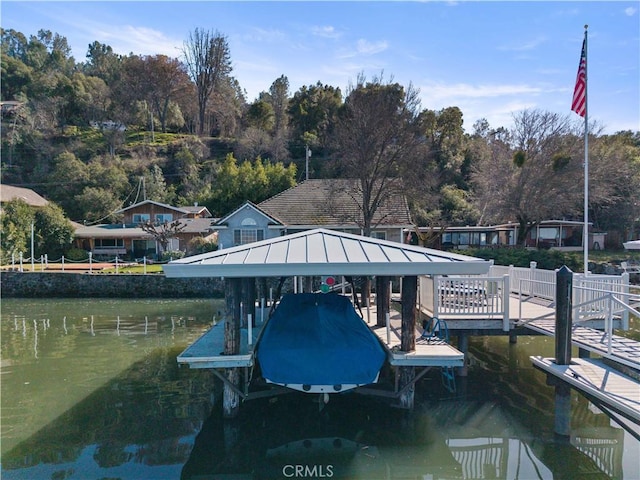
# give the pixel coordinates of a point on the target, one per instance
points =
(632, 245)
(317, 343)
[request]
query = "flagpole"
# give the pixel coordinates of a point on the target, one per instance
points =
(586, 160)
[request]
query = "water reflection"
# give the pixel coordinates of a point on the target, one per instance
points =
(93, 390)
(141, 424)
(357, 438)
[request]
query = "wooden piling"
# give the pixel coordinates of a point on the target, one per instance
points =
(564, 306)
(233, 296)
(409, 297)
(383, 300)
(463, 346)
(564, 311)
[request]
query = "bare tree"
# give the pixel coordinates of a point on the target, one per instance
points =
(208, 62)
(163, 232)
(377, 139)
(535, 175)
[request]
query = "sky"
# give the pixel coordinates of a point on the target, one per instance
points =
(491, 59)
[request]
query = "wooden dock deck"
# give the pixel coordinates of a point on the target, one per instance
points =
(428, 353)
(206, 352)
(597, 380)
(623, 350)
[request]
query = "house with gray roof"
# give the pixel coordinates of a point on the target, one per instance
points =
(333, 204)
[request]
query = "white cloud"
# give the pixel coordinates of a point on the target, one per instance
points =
(630, 11)
(263, 35)
(325, 31)
(524, 46)
(365, 47)
(439, 91)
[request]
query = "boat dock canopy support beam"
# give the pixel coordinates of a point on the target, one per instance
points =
(231, 390)
(407, 375)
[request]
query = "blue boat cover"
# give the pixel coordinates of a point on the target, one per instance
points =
(318, 339)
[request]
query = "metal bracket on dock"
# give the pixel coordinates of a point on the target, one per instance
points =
(233, 387)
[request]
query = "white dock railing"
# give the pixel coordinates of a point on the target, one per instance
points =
(464, 297)
(488, 296)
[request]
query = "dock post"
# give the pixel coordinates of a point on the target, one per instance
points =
(463, 346)
(233, 294)
(382, 300)
(409, 296)
(564, 308)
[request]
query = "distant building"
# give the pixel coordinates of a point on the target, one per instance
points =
(128, 239)
(329, 203)
(565, 235)
(9, 192)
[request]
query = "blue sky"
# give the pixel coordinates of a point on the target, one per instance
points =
(490, 59)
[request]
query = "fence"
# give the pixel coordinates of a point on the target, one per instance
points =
(488, 296)
(89, 264)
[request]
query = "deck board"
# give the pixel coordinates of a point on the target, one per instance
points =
(624, 350)
(207, 351)
(601, 381)
(428, 353)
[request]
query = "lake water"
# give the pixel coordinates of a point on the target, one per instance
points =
(91, 390)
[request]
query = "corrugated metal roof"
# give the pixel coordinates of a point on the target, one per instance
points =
(324, 252)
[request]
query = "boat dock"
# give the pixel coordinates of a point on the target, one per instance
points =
(602, 383)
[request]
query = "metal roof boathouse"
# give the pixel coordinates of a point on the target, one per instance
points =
(229, 349)
(325, 252)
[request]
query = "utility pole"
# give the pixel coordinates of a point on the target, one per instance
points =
(307, 155)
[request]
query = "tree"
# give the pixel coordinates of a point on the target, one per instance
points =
(538, 177)
(54, 231)
(163, 232)
(260, 115)
(159, 81)
(257, 181)
(16, 218)
(446, 143)
(97, 205)
(614, 185)
(279, 100)
(377, 140)
(208, 62)
(103, 62)
(313, 112)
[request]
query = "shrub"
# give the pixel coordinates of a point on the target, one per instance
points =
(171, 255)
(76, 255)
(522, 257)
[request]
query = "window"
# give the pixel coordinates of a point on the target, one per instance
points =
(109, 242)
(141, 217)
(380, 235)
(163, 217)
(247, 235)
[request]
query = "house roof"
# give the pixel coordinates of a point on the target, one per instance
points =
(223, 221)
(332, 203)
(192, 225)
(324, 252)
(144, 202)
(9, 192)
(197, 209)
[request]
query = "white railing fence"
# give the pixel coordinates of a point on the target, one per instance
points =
(464, 297)
(488, 296)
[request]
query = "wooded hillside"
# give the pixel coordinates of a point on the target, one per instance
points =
(96, 135)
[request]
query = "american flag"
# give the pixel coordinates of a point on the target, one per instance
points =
(579, 104)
